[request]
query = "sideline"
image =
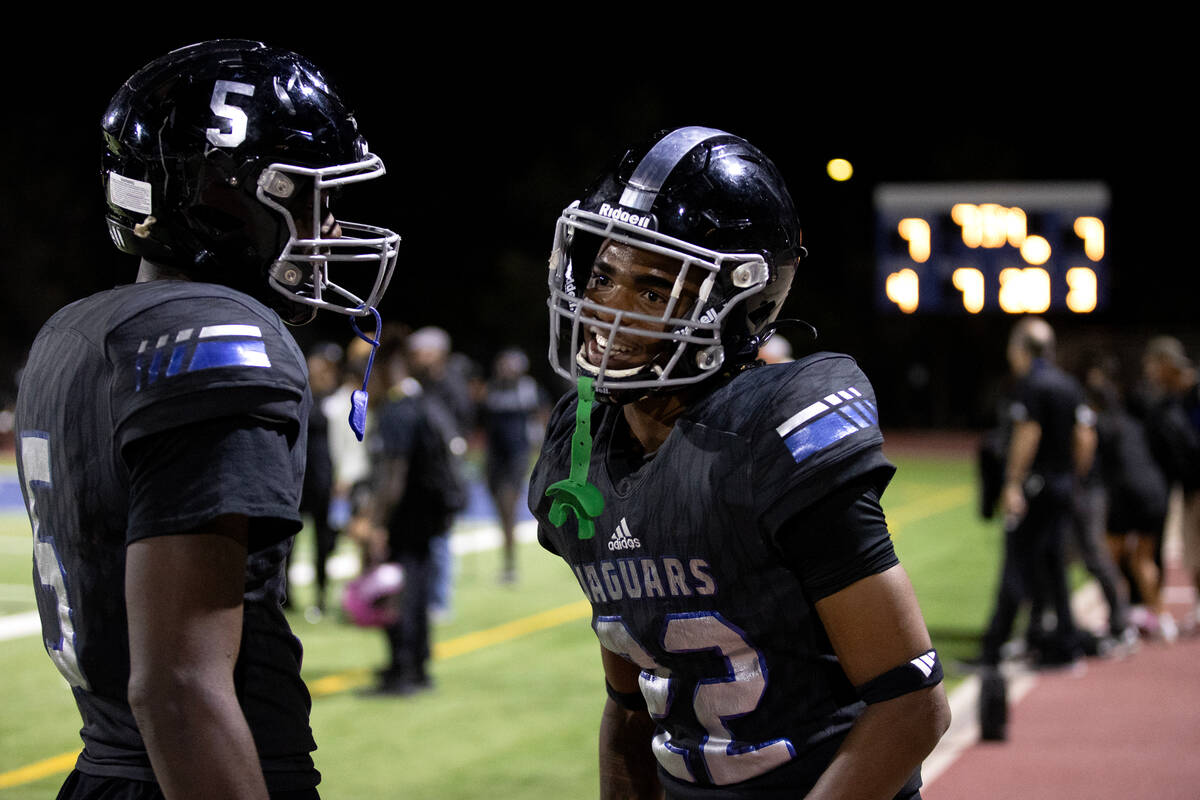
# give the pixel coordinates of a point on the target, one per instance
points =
(483, 537)
(345, 681)
(1089, 610)
(468, 537)
(472, 537)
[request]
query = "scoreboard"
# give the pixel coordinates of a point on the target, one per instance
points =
(970, 248)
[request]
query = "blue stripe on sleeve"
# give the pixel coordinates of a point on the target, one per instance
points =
(818, 435)
(226, 353)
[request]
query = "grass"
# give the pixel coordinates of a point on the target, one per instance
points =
(518, 690)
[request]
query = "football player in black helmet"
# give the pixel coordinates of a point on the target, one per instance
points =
(224, 173)
(759, 637)
(161, 425)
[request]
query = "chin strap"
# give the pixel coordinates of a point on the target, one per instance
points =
(574, 493)
(358, 399)
(775, 326)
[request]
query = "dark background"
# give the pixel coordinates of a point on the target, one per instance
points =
(488, 133)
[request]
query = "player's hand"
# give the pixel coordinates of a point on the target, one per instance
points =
(1014, 501)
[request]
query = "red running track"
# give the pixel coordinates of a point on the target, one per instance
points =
(1125, 728)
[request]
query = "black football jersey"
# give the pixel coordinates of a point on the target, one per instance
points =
(120, 392)
(686, 577)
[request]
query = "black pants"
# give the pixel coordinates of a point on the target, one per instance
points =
(1089, 530)
(1035, 570)
(409, 637)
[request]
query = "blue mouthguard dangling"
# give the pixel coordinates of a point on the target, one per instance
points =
(358, 399)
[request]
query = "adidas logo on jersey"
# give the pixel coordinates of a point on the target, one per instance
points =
(622, 539)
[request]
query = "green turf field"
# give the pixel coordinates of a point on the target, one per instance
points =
(519, 686)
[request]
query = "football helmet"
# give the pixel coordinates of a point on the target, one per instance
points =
(219, 162)
(710, 202)
(372, 600)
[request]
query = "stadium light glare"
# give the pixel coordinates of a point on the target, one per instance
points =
(839, 169)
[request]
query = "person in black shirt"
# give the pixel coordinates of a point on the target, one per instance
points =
(316, 498)
(415, 493)
(161, 426)
(1135, 494)
(758, 636)
(511, 400)
(1173, 426)
(445, 379)
(1052, 443)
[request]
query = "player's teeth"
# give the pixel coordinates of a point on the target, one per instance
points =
(602, 343)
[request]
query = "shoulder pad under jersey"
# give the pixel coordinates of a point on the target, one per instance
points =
(188, 352)
(813, 427)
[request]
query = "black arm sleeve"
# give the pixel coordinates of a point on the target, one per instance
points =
(837, 541)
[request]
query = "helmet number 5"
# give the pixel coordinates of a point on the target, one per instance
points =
(233, 116)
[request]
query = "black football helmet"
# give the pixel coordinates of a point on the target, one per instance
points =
(219, 162)
(714, 203)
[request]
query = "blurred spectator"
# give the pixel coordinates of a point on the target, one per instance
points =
(1135, 493)
(776, 350)
(1088, 529)
(1052, 442)
(324, 372)
(1173, 425)
(445, 380)
(415, 493)
(445, 375)
(349, 458)
(511, 404)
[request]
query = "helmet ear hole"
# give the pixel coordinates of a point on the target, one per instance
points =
(216, 219)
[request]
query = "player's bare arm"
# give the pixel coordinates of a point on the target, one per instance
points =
(627, 765)
(1083, 447)
(875, 625)
(370, 526)
(1025, 438)
(184, 599)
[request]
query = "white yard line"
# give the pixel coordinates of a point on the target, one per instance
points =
(470, 538)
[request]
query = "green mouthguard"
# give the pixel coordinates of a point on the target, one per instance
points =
(574, 493)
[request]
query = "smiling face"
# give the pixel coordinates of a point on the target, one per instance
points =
(627, 279)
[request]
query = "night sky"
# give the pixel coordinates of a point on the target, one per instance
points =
(488, 134)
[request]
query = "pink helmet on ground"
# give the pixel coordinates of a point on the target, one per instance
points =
(372, 600)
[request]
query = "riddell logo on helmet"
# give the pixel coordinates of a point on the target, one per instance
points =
(621, 215)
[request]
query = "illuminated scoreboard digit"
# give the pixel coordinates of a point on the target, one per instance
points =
(969, 248)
